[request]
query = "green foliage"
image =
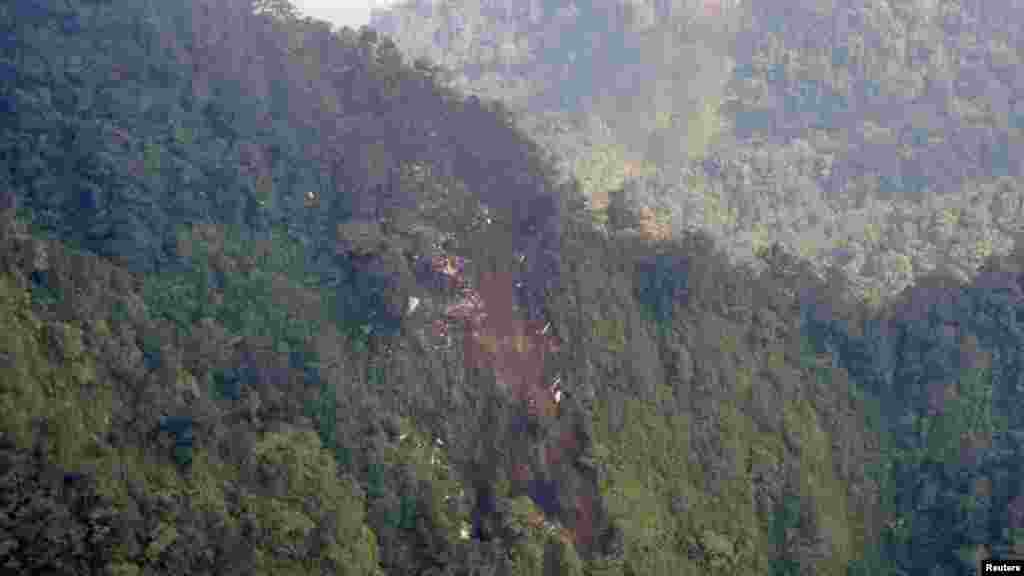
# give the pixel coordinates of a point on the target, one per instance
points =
(223, 280)
(45, 371)
(635, 484)
(374, 480)
(785, 519)
(969, 415)
(183, 455)
(600, 172)
(41, 291)
(704, 127)
(719, 550)
(976, 411)
(869, 566)
(424, 463)
(659, 284)
(49, 373)
(324, 411)
(75, 531)
(537, 543)
(406, 516)
(527, 554)
(175, 299)
(225, 384)
(313, 496)
(611, 333)
(375, 376)
(111, 142)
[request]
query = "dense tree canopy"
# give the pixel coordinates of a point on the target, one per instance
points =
(275, 300)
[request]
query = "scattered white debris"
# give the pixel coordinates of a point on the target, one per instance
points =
(464, 531)
(546, 328)
(403, 436)
(556, 390)
(414, 303)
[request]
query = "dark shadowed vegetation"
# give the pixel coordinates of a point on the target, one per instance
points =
(278, 298)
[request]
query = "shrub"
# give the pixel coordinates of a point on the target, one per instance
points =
(659, 282)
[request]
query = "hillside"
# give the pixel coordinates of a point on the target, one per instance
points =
(880, 137)
(276, 301)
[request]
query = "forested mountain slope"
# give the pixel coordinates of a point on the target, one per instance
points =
(878, 136)
(274, 301)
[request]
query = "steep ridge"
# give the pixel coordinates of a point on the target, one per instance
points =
(419, 367)
(875, 136)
